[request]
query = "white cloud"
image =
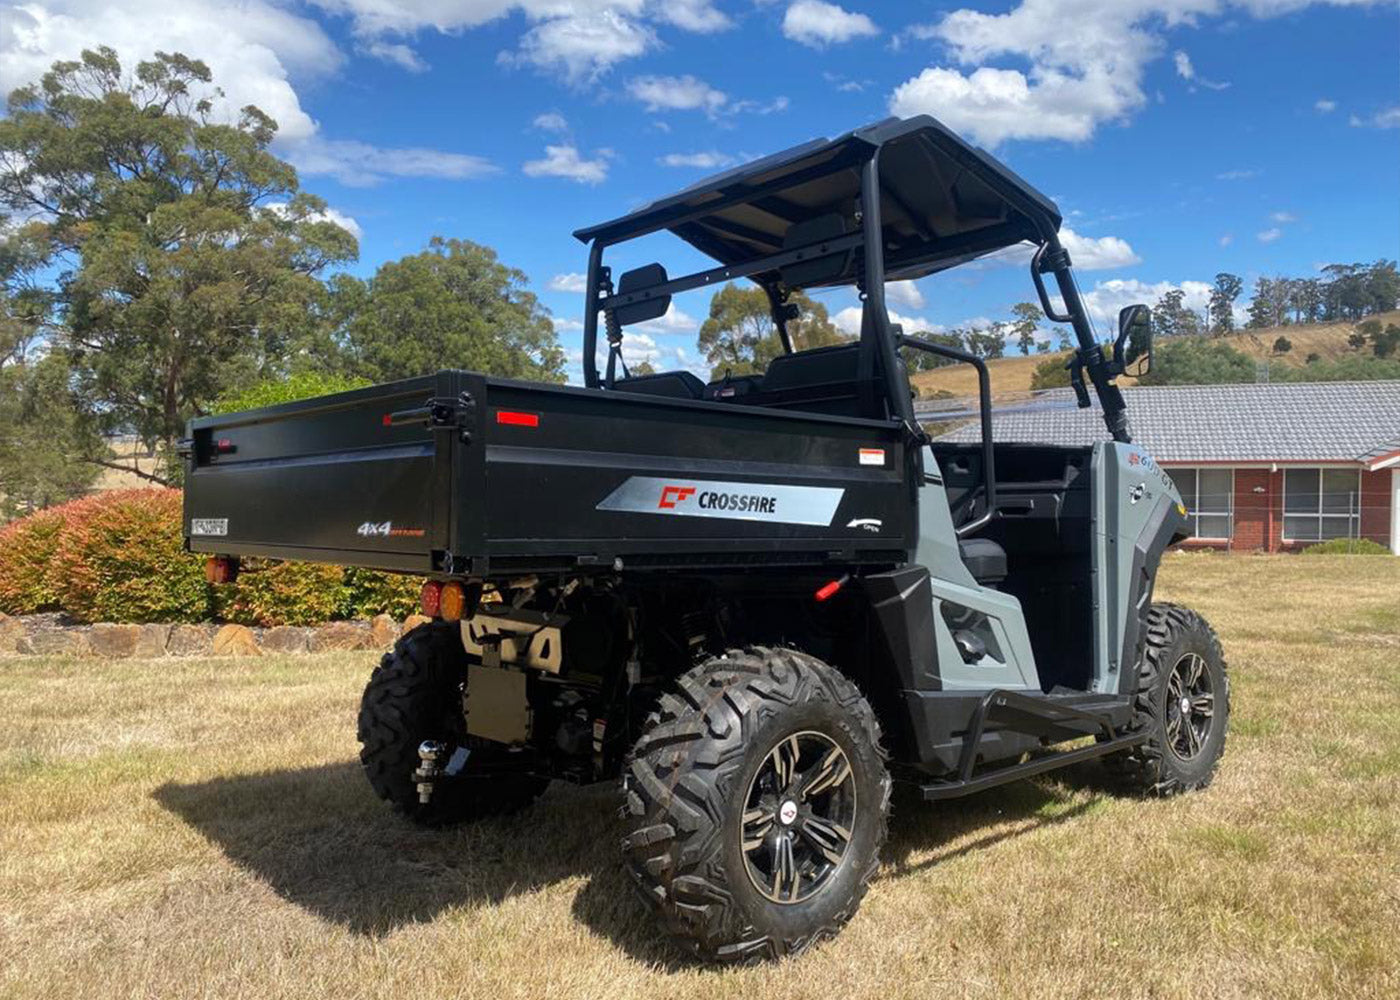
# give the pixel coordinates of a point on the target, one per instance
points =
(676, 93)
(1187, 71)
(1087, 253)
(566, 325)
(693, 15)
(396, 52)
(254, 48)
(565, 161)
(581, 47)
(1101, 253)
(551, 121)
(1324, 106)
(675, 321)
(1238, 175)
(818, 24)
(848, 321)
(1269, 235)
(1086, 64)
(1387, 118)
(1283, 217)
(1107, 297)
(709, 160)
(342, 220)
(360, 164)
(571, 282)
(904, 293)
(1226, 240)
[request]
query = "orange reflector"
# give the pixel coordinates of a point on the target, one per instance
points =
(452, 602)
(430, 599)
(517, 419)
(220, 569)
(827, 590)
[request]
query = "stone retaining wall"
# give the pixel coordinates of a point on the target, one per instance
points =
(45, 635)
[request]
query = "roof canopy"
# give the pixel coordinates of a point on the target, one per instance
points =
(942, 201)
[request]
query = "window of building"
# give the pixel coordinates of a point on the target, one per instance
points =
(1209, 495)
(1321, 503)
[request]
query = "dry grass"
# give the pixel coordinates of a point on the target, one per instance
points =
(199, 829)
(1012, 374)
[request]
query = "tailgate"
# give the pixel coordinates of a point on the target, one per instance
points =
(352, 478)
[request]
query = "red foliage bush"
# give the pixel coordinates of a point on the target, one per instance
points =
(121, 558)
(27, 548)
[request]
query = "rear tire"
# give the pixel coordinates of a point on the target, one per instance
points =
(756, 805)
(1183, 702)
(415, 694)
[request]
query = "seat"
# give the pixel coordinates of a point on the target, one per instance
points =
(984, 559)
(676, 385)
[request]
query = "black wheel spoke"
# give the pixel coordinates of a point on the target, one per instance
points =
(1190, 707)
(798, 817)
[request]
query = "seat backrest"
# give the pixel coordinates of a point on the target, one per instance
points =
(677, 385)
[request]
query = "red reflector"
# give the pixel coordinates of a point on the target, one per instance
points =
(517, 419)
(828, 589)
(223, 446)
(388, 420)
(431, 598)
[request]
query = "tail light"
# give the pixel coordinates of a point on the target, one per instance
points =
(221, 569)
(430, 599)
(452, 602)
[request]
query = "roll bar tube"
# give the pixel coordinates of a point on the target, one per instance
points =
(984, 405)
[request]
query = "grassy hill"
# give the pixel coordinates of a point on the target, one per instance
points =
(1013, 374)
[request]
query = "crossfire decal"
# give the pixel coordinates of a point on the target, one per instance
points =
(771, 502)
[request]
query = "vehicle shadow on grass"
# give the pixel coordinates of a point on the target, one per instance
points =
(323, 842)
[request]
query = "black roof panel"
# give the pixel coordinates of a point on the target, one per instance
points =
(943, 201)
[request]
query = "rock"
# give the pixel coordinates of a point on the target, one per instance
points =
(340, 636)
(61, 642)
(11, 631)
(152, 640)
(413, 621)
(383, 631)
(114, 642)
(190, 640)
(235, 640)
(285, 639)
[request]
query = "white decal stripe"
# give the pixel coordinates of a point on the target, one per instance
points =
(770, 502)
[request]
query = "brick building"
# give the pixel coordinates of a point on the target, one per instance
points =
(1272, 466)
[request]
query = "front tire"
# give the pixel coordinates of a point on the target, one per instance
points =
(757, 804)
(415, 694)
(1183, 702)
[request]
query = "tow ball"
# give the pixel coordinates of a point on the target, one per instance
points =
(431, 768)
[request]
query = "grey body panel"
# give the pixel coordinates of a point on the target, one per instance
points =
(1010, 662)
(1132, 498)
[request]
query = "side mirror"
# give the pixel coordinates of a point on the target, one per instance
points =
(1132, 351)
(649, 306)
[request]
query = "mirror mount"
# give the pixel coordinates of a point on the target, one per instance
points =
(1132, 351)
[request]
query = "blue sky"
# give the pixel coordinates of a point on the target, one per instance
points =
(1180, 137)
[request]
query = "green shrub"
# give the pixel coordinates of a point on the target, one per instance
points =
(121, 558)
(369, 593)
(1346, 547)
(284, 390)
(1051, 373)
(27, 548)
(268, 592)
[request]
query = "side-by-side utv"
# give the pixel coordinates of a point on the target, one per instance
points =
(758, 600)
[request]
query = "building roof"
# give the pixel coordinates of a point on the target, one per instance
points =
(1287, 422)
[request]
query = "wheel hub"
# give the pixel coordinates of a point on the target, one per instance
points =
(1191, 697)
(799, 814)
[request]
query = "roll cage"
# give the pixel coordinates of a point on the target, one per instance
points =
(895, 200)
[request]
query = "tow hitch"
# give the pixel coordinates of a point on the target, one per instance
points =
(431, 769)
